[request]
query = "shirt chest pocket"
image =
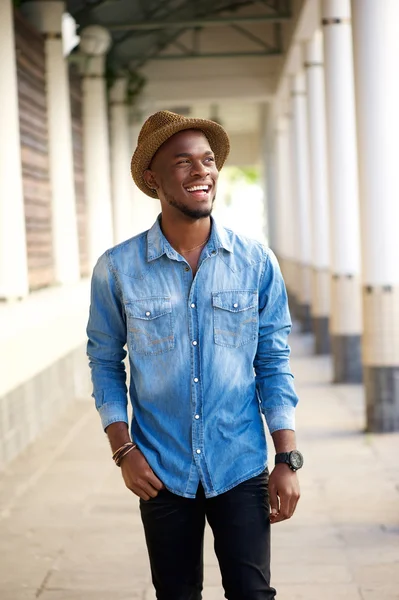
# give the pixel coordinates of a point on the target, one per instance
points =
(235, 317)
(150, 325)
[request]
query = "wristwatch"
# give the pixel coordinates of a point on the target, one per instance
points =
(293, 459)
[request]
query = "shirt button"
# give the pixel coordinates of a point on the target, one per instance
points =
(196, 379)
(198, 451)
(196, 417)
(193, 305)
(187, 268)
(235, 305)
(213, 252)
(147, 314)
(195, 343)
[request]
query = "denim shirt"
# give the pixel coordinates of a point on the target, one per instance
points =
(208, 355)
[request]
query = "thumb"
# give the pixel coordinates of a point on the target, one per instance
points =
(273, 498)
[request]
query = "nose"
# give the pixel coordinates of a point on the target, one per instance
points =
(198, 168)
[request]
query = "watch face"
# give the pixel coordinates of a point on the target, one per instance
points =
(296, 459)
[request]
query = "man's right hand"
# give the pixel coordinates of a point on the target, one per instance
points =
(137, 473)
(139, 477)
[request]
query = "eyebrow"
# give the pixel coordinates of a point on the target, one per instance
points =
(188, 155)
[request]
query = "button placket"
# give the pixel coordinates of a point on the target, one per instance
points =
(197, 434)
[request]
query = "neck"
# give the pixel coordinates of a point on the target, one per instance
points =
(183, 234)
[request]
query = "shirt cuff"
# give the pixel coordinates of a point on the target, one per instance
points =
(281, 417)
(112, 412)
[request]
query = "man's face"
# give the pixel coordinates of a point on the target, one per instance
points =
(185, 173)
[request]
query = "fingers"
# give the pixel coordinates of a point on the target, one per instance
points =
(288, 503)
(146, 489)
(153, 480)
(294, 501)
(274, 502)
(283, 493)
(139, 477)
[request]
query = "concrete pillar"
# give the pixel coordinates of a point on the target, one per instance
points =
(376, 47)
(122, 182)
(97, 158)
(283, 238)
(13, 259)
(294, 274)
(319, 193)
(144, 209)
(346, 320)
(46, 16)
(281, 150)
(301, 197)
(271, 191)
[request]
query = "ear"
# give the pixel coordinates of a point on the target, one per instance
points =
(149, 178)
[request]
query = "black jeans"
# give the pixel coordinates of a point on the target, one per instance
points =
(239, 518)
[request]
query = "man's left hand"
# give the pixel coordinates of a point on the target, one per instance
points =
(284, 493)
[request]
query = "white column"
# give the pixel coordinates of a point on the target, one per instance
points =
(13, 259)
(280, 244)
(145, 209)
(301, 192)
(46, 16)
(294, 265)
(268, 159)
(284, 218)
(319, 192)
(120, 162)
(346, 322)
(271, 191)
(376, 45)
(97, 158)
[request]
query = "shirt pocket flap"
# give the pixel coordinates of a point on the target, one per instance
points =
(235, 300)
(148, 308)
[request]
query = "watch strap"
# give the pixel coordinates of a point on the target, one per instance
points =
(282, 457)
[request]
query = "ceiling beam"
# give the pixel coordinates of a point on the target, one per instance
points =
(217, 22)
(271, 52)
(249, 35)
(208, 89)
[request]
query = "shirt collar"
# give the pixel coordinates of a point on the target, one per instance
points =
(158, 245)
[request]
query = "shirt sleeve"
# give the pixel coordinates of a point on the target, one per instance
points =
(106, 331)
(274, 380)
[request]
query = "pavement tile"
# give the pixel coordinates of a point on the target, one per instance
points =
(311, 591)
(294, 573)
(291, 534)
(377, 575)
(87, 595)
(16, 593)
(213, 593)
(385, 591)
(307, 556)
(110, 578)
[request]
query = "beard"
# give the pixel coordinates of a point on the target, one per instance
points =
(193, 213)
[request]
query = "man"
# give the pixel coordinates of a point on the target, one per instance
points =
(204, 315)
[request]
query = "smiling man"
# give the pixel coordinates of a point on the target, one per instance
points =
(203, 312)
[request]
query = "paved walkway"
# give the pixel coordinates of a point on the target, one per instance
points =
(69, 530)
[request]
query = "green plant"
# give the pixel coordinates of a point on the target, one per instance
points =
(248, 175)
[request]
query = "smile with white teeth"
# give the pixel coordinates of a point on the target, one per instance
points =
(198, 188)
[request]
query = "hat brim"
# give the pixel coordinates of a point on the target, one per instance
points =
(144, 153)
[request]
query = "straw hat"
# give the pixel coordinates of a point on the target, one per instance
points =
(160, 127)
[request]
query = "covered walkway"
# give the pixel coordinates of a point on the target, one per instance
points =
(305, 90)
(69, 530)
